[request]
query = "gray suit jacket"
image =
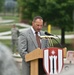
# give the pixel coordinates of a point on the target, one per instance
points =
(27, 43)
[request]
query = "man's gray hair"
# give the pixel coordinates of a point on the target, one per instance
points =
(37, 17)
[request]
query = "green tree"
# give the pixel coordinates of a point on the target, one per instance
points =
(55, 12)
(1, 5)
(61, 16)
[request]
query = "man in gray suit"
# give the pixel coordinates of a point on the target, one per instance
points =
(27, 41)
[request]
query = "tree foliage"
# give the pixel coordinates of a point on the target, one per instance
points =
(55, 12)
(1, 4)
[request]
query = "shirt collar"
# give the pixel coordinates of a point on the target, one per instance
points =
(34, 31)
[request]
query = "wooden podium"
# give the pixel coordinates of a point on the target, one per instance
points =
(33, 57)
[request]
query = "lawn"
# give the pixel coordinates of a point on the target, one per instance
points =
(54, 30)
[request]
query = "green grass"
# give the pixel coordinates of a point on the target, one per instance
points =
(54, 30)
(15, 18)
(6, 42)
(4, 28)
(8, 27)
(57, 31)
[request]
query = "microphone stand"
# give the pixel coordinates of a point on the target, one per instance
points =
(50, 39)
(57, 42)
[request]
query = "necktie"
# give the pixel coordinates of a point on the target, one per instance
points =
(38, 40)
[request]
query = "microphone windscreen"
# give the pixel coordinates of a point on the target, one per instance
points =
(46, 33)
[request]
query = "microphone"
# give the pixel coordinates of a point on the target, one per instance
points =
(46, 33)
(49, 34)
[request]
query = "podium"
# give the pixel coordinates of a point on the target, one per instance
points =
(34, 58)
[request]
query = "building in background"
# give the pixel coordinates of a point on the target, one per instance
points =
(10, 6)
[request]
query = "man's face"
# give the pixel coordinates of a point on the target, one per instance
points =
(37, 25)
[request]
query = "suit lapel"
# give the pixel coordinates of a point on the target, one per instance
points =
(33, 37)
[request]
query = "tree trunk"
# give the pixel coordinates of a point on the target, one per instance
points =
(63, 37)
